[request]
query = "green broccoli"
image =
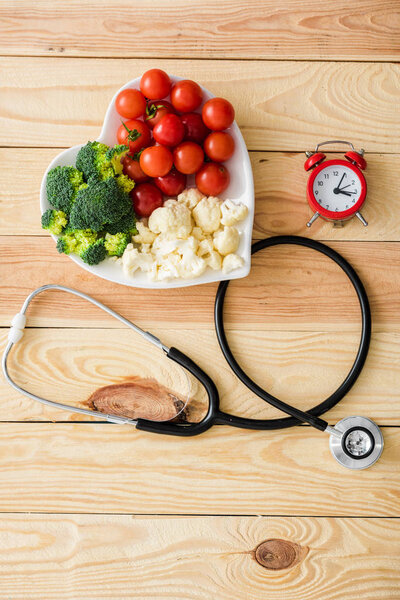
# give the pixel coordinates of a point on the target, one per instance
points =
(115, 155)
(93, 253)
(116, 244)
(62, 186)
(92, 161)
(127, 224)
(54, 220)
(99, 204)
(125, 183)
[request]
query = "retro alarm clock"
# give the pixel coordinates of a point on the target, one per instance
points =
(336, 189)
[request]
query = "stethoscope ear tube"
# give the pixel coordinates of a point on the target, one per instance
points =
(312, 415)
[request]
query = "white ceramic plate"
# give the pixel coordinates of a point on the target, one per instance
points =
(241, 189)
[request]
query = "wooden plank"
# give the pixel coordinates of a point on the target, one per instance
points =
(99, 556)
(71, 467)
(289, 288)
(301, 368)
(279, 105)
(226, 29)
(279, 209)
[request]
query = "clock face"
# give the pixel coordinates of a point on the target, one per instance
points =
(337, 188)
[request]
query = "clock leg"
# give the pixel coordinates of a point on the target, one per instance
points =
(363, 221)
(313, 218)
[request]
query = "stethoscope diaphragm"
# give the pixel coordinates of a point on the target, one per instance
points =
(360, 444)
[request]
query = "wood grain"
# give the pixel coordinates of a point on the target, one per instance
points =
(301, 368)
(227, 29)
(54, 557)
(281, 208)
(71, 467)
(288, 288)
(279, 105)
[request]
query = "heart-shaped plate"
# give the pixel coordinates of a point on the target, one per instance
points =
(240, 189)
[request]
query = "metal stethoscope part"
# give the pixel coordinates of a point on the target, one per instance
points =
(355, 442)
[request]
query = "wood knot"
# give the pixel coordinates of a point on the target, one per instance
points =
(276, 554)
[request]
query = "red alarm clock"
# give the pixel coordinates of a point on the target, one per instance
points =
(336, 189)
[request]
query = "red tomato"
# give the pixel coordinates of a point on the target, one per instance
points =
(195, 130)
(188, 157)
(131, 167)
(212, 179)
(218, 114)
(156, 110)
(186, 95)
(156, 161)
(130, 104)
(172, 184)
(135, 134)
(169, 131)
(155, 83)
(146, 198)
(219, 146)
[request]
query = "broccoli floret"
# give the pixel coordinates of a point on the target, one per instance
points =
(93, 253)
(92, 161)
(62, 186)
(125, 183)
(116, 244)
(115, 155)
(99, 204)
(67, 242)
(54, 221)
(127, 224)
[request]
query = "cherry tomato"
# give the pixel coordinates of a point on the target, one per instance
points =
(212, 179)
(156, 110)
(131, 167)
(195, 130)
(169, 131)
(146, 198)
(156, 161)
(186, 95)
(155, 83)
(135, 134)
(172, 184)
(188, 157)
(219, 146)
(218, 114)
(130, 104)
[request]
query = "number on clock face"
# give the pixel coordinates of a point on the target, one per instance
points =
(337, 188)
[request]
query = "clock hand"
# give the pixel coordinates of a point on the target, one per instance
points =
(340, 182)
(345, 193)
(344, 187)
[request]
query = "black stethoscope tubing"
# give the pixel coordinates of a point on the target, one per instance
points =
(215, 415)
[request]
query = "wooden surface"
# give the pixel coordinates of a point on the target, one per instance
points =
(99, 511)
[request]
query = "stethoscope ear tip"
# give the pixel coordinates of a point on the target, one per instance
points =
(359, 445)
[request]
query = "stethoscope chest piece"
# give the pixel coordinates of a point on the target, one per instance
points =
(360, 445)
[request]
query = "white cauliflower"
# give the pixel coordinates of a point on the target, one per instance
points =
(207, 214)
(190, 197)
(198, 233)
(144, 235)
(232, 213)
(232, 262)
(227, 240)
(191, 265)
(207, 252)
(174, 220)
(132, 260)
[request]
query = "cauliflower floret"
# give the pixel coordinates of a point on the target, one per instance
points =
(207, 214)
(190, 197)
(164, 246)
(144, 235)
(174, 220)
(232, 262)
(227, 240)
(207, 252)
(132, 260)
(232, 213)
(198, 233)
(168, 267)
(191, 265)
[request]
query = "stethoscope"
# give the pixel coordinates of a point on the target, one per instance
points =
(355, 442)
